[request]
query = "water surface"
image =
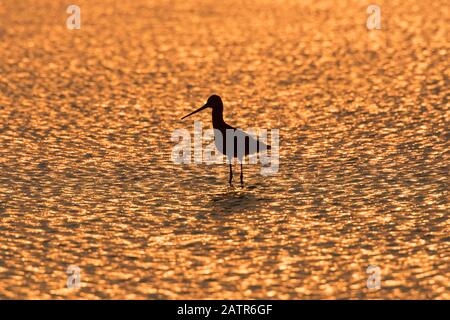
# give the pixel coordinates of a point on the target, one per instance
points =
(86, 176)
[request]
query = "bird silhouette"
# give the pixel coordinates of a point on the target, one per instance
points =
(244, 144)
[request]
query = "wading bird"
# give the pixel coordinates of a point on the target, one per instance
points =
(235, 149)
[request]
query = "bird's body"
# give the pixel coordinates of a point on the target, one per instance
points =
(240, 144)
(220, 137)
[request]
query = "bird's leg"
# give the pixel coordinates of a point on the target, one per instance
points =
(242, 177)
(231, 175)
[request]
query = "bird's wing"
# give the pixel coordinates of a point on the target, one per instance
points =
(227, 126)
(252, 141)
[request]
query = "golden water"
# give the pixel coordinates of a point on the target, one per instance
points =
(86, 177)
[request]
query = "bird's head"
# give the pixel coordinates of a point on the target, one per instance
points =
(213, 102)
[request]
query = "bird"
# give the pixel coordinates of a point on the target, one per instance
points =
(252, 144)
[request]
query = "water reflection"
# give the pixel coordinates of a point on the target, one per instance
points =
(236, 201)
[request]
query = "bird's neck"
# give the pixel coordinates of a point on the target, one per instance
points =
(217, 118)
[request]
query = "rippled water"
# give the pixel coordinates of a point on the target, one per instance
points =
(86, 176)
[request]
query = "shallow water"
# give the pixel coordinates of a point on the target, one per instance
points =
(87, 179)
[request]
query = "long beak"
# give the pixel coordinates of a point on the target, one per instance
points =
(198, 110)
